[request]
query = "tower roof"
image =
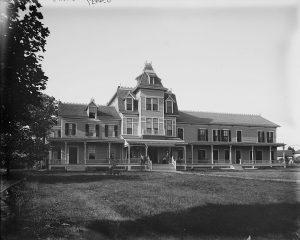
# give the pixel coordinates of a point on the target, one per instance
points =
(148, 68)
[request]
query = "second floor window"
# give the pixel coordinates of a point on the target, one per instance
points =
(225, 135)
(129, 126)
(239, 136)
(148, 104)
(155, 104)
(202, 134)
(180, 133)
(70, 129)
(155, 125)
(111, 130)
(216, 135)
(169, 127)
(270, 137)
(89, 129)
(129, 104)
(149, 125)
(260, 136)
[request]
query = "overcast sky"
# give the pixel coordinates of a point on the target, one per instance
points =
(229, 56)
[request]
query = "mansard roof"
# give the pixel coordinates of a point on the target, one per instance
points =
(223, 118)
(79, 111)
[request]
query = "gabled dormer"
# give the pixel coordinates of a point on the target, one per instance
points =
(130, 102)
(171, 107)
(91, 109)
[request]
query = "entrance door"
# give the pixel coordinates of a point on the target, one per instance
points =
(237, 156)
(153, 154)
(72, 155)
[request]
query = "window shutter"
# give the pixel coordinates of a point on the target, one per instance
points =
(87, 129)
(106, 130)
(206, 134)
(219, 135)
(73, 129)
(198, 134)
(222, 135)
(97, 131)
(263, 136)
(67, 129)
(229, 136)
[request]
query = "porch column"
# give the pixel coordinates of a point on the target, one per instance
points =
(84, 152)
(212, 154)
(230, 154)
(50, 158)
(66, 158)
(270, 148)
(283, 155)
(146, 150)
(122, 153)
(252, 154)
(128, 154)
(184, 149)
(192, 148)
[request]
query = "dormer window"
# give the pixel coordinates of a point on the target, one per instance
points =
(129, 104)
(169, 106)
(152, 80)
(92, 115)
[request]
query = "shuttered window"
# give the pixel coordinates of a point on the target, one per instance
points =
(202, 134)
(70, 129)
(97, 130)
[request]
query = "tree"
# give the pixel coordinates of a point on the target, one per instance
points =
(23, 42)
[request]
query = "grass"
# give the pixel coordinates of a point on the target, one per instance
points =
(154, 206)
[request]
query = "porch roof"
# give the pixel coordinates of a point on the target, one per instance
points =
(237, 144)
(155, 142)
(85, 140)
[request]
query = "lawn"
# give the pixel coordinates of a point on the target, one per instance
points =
(153, 206)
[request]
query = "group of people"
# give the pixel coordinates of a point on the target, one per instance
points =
(145, 161)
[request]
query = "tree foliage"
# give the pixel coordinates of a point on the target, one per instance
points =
(23, 42)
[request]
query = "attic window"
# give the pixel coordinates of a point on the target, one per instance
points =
(92, 115)
(169, 106)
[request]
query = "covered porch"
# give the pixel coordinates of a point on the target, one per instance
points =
(219, 154)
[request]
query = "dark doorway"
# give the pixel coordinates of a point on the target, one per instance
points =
(72, 155)
(153, 154)
(258, 155)
(237, 156)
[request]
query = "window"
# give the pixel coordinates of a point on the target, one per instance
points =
(260, 136)
(149, 125)
(226, 152)
(270, 137)
(169, 131)
(89, 130)
(169, 106)
(106, 131)
(272, 155)
(202, 134)
(216, 155)
(258, 155)
(155, 104)
(155, 125)
(70, 129)
(97, 130)
(116, 130)
(216, 135)
(239, 136)
(59, 133)
(201, 154)
(129, 104)
(92, 115)
(152, 80)
(180, 133)
(226, 135)
(57, 153)
(129, 126)
(148, 104)
(91, 152)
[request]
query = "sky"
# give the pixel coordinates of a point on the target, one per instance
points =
(232, 56)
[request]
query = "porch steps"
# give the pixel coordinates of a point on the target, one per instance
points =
(163, 167)
(75, 168)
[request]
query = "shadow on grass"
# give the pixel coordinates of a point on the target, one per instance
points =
(51, 178)
(210, 220)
